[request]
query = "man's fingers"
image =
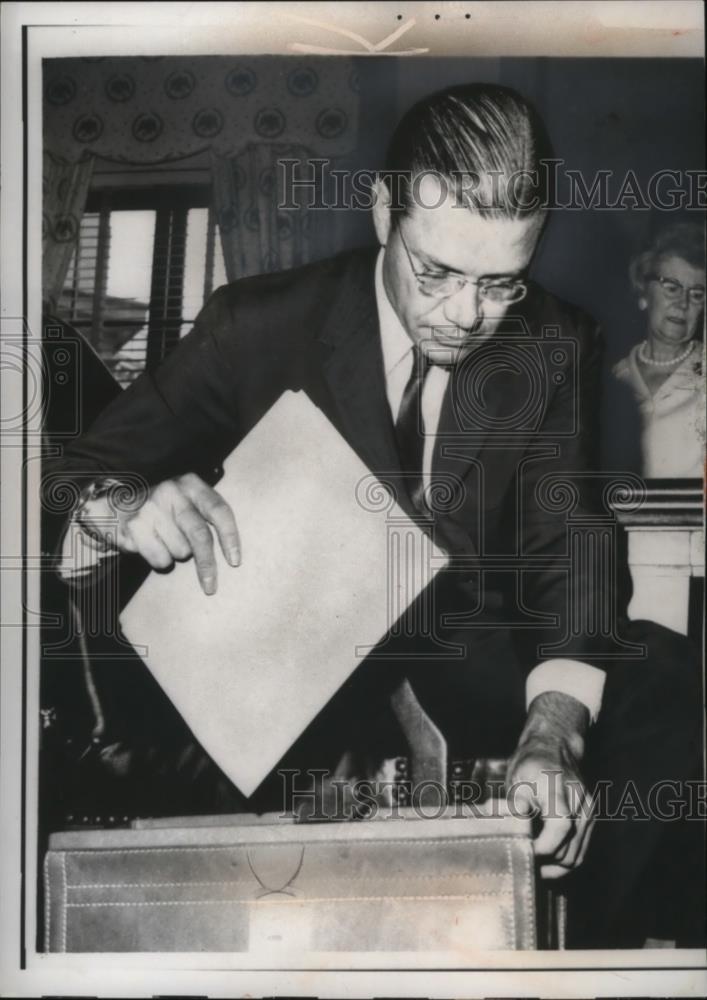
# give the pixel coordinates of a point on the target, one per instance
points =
(586, 837)
(124, 540)
(570, 853)
(572, 856)
(217, 512)
(552, 871)
(563, 806)
(174, 539)
(523, 798)
(198, 533)
(583, 810)
(554, 834)
(176, 522)
(530, 796)
(149, 544)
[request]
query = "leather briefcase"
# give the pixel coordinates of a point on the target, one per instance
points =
(264, 885)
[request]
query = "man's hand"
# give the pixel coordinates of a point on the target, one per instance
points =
(544, 778)
(173, 523)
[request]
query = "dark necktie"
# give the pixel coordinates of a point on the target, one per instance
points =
(409, 430)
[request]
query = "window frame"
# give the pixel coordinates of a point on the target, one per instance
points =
(171, 204)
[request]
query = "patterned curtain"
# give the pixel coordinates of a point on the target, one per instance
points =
(246, 113)
(256, 235)
(65, 189)
(159, 109)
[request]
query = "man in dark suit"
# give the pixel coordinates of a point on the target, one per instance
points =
(448, 370)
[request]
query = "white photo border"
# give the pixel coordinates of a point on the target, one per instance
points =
(32, 31)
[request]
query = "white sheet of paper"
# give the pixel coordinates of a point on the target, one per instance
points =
(319, 584)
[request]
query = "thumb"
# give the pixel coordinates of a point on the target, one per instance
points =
(522, 798)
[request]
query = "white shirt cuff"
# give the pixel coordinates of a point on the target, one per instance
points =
(572, 677)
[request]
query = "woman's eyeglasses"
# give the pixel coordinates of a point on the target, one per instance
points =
(673, 289)
(443, 286)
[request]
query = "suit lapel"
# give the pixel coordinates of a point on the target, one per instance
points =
(353, 369)
(484, 395)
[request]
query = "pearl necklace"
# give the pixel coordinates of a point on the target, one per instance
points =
(663, 364)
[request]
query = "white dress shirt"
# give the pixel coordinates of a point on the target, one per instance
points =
(572, 677)
(582, 681)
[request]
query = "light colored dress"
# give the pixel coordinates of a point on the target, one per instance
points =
(672, 419)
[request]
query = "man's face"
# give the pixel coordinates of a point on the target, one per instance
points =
(452, 240)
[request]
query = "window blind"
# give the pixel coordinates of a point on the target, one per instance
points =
(143, 266)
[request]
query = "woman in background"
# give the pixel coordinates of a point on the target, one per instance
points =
(663, 374)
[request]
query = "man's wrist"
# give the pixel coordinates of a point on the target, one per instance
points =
(100, 489)
(555, 717)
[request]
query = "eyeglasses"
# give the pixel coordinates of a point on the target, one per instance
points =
(673, 289)
(443, 286)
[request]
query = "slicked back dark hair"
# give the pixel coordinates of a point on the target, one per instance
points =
(486, 141)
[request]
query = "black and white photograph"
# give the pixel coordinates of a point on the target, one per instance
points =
(353, 499)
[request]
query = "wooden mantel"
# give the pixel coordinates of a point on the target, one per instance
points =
(665, 526)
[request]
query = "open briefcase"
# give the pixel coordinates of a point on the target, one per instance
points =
(270, 885)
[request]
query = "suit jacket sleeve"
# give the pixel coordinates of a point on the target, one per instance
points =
(558, 494)
(189, 414)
